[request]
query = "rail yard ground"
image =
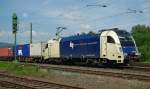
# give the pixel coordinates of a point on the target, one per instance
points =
(83, 80)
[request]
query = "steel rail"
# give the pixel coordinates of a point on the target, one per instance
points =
(32, 83)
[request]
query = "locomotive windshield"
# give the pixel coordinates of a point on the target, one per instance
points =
(125, 38)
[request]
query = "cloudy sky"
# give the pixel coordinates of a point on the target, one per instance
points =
(77, 15)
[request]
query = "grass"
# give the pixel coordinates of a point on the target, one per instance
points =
(146, 62)
(25, 70)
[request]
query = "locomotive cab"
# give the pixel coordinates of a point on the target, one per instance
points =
(128, 45)
(117, 46)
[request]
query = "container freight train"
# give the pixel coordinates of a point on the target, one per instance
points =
(30, 52)
(112, 46)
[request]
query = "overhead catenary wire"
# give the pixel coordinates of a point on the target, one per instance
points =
(127, 24)
(123, 13)
(129, 10)
(99, 4)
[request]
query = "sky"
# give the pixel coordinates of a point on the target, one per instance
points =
(76, 15)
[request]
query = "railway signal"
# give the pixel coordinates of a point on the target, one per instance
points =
(14, 30)
(14, 23)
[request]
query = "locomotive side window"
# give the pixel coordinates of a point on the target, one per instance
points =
(110, 39)
(46, 46)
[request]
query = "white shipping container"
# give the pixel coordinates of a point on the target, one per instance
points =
(36, 49)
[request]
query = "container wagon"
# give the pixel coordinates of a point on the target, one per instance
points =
(6, 54)
(23, 52)
(36, 51)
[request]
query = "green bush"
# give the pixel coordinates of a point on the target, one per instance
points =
(141, 34)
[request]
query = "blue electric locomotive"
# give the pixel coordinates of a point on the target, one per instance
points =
(109, 46)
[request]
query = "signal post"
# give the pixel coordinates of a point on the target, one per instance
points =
(14, 30)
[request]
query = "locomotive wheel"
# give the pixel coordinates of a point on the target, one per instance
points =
(104, 61)
(89, 61)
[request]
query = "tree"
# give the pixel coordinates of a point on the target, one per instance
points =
(141, 34)
(91, 33)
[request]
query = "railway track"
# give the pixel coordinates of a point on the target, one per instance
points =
(16, 82)
(138, 68)
(129, 73)
(140, 64)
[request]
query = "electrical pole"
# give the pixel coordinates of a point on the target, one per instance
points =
(30, 33)
(14, 31)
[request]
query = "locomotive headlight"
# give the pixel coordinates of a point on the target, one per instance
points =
(138, 54)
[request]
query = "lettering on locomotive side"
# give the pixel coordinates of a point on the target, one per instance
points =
(71, 45)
